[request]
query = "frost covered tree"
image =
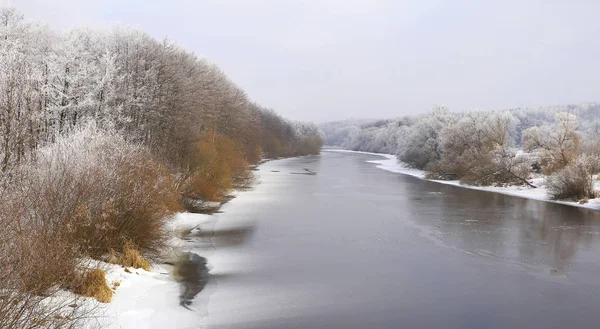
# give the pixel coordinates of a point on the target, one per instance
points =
(590, 137)
(22, 86)
(153, 92)
(481, 148)
(556, 144)
(420, 144)
(478, 149)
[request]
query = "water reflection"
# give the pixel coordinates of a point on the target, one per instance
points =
(192, 273)
(555, 234)
(532, 233)
(233, 236)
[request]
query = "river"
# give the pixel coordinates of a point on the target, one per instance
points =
(331, 241)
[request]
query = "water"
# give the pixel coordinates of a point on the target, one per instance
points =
(348, 245)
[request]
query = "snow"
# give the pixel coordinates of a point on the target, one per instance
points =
(392, 164)
(187, 222)
(144, 299)
(148, 299)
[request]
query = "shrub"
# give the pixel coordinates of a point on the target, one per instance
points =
(575, 181)
(143, 199)
(53, 261)
(92, 191)
(216, 167)
(93, 284)
(39, 256)
(272, 146)
(308, 145)
(30, 267)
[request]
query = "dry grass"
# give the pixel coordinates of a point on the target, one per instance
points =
(112, 258)
(93, 284)
(130, 257)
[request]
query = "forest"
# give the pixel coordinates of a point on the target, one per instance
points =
(558, 145)
(104, 136)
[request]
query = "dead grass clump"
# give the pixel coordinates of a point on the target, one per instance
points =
(93, 284)
(112, 258)
(131, 257)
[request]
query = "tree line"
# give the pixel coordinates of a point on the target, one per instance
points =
(104, 135)
(500, 148)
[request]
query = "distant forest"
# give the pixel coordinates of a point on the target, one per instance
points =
(484, 148)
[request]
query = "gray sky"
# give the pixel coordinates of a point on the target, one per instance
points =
(333, 59)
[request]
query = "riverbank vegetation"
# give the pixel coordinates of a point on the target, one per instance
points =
(557, 146)
(104, 135)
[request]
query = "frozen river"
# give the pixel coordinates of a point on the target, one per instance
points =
(353, 246)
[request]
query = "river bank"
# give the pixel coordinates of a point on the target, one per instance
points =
(392, 164)
(149, 299)
(152, 299)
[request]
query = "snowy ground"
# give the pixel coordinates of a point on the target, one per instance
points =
(391, 163)
(149, 299)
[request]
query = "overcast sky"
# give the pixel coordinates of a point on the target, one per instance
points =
(333, 59)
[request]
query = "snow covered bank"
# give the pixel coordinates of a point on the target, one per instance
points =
(149, 299)
(391, 163)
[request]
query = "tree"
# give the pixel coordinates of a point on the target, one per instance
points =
(478, 150)
(556, 144)
(422, 142)
(576, 180)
